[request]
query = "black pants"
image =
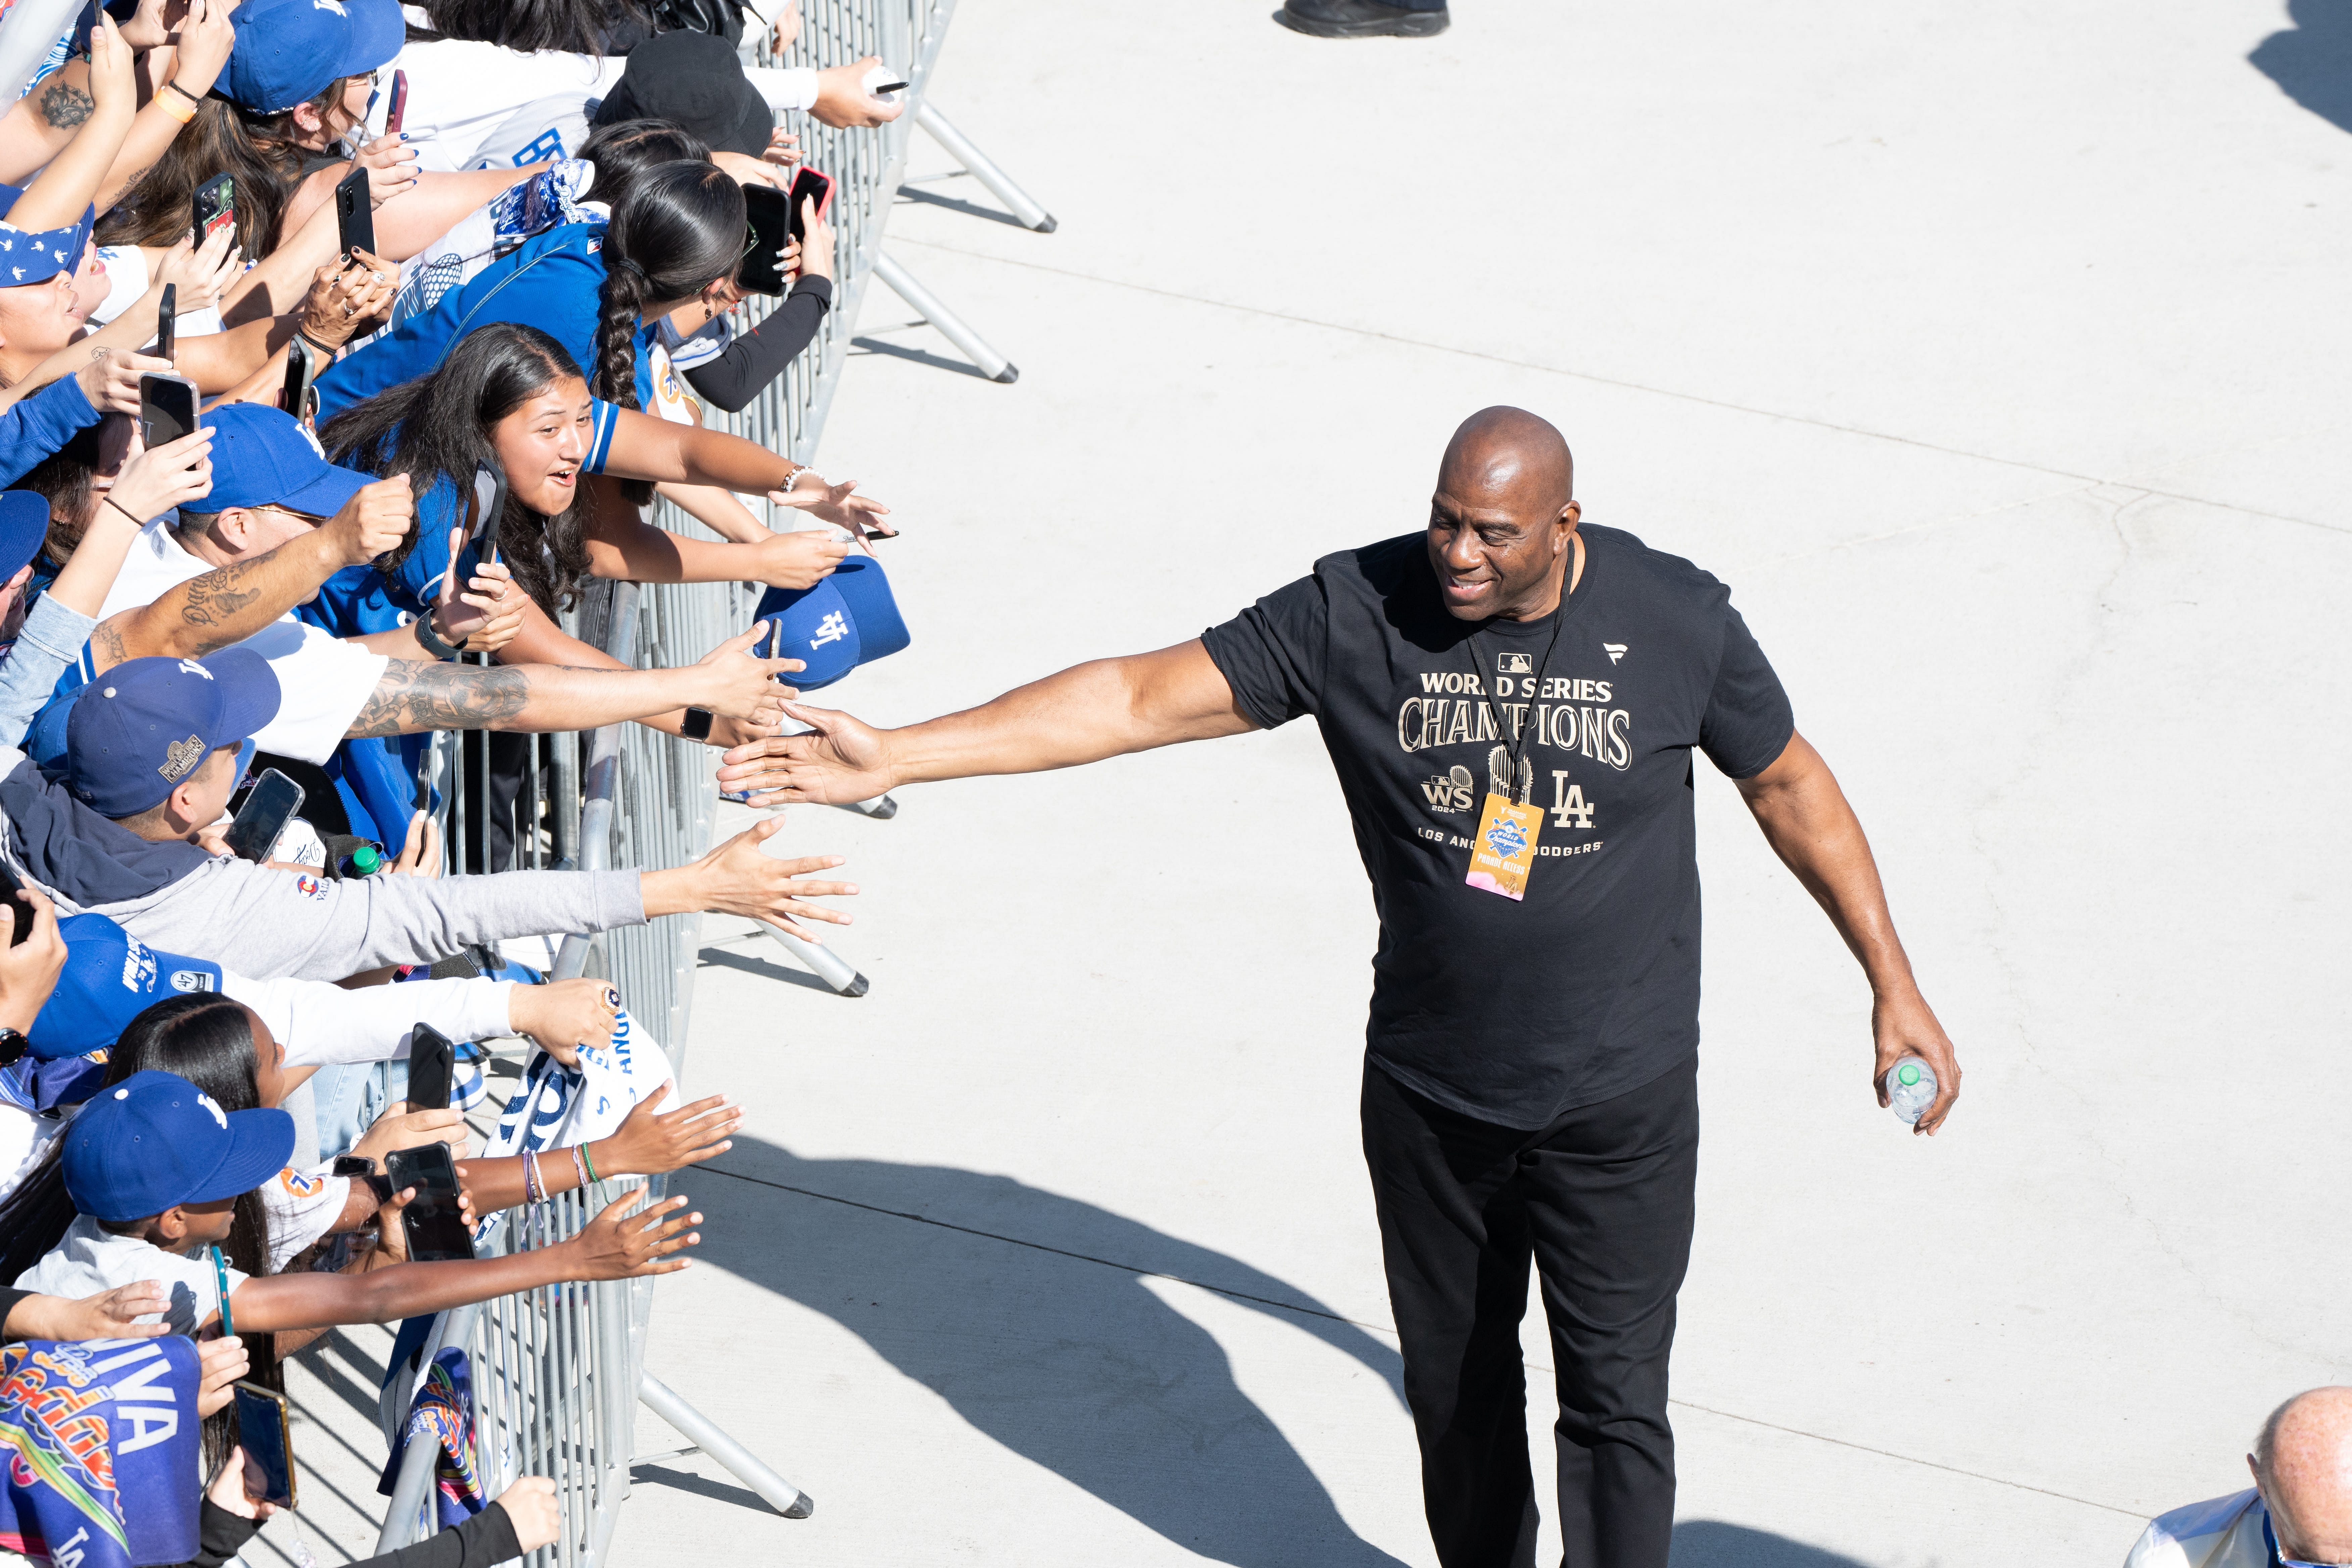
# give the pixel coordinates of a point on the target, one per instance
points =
(1602, 1199)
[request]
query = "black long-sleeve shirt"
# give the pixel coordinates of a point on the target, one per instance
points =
(756, 358)
(486, 1539)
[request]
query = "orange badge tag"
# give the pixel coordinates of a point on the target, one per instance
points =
(1505, 850)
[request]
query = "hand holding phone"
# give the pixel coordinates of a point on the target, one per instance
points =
(396, 112)
(432, 1059)
(265, 1430)
(167, 408)
(432, 1222)
(296, 396)
(268, 807)
(216, 207)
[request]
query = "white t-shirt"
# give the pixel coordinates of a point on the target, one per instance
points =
(25, 1137)
(322, 1025)
(462, 94)
(128, 276)
(301, 1204)
(322, 680)
(88, 1260)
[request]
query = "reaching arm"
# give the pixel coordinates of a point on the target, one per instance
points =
(59, 193)
(1083, 714)
(543, 696)
(611, 1248)
(232, 603)
(622, 544)
(1805, 819)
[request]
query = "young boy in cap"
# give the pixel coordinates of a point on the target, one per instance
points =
(156, 1168)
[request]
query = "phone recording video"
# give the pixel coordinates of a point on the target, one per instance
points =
(432, 1222)
(298, 396)
(265, 1430)
(770, 212)
(395, 113)
(487, 505)
(216, 207)
(431, 1060)
(268, 807)
(167, 408)
(167, 323)
(809, 183)
(354, 214)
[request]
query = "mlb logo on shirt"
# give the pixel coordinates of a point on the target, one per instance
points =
(1514, 663)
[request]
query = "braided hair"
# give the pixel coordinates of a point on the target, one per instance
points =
(680, 228)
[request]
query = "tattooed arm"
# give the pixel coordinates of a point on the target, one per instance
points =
(537, 697)
(99, 117)
(235, 601)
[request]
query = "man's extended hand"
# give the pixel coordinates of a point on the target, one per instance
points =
(373, 522)
(1903, 1024)
(840, 762)
(736, 879)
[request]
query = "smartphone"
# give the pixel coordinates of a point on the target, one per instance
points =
(354, 214)
(167, 408)
(215, 204)
(771, 214)
(397, 110)
(435, 1225)
(430, 1060)
(488, 504)
(809, 183)
(220, 1291)
(167, 323)
(269, 806)
(298, 396)
(265, 1430)
(9, 887)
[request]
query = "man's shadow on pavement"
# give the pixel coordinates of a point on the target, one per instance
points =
(1078, 1366)
(1711, 1543)
(2312, 61)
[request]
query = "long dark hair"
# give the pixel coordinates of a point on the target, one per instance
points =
(259, 150)
(575, 27)
(437, 426)
(207, 1039)
(626, 148)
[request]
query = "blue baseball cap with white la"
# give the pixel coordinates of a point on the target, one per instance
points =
(289, 51)
(110, 978)
(138, 732)
(847, 619)
(155, 1140)
(262, 456)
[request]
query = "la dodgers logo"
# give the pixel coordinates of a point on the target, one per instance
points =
(219, 1115)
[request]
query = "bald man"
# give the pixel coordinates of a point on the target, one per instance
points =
(1511, 699)
(2299, 1513)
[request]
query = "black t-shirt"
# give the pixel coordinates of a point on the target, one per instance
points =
(1508, 1011)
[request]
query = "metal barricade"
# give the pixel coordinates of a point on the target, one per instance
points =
(558, 1372)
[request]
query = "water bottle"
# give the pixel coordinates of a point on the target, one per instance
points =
(366, 861)
(1910, 1088)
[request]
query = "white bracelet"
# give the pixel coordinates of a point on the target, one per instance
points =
(798, 475)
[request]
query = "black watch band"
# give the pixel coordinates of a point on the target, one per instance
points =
(698, 723)
(13, 1045)
(429, 638)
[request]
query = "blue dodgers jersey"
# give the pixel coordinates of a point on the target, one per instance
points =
(552, 281)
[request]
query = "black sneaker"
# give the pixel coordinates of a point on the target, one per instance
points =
(1359, 19)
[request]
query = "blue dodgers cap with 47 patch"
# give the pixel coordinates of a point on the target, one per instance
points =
(847, 619)
(110, 978)
(142, 729)
(155, 1140)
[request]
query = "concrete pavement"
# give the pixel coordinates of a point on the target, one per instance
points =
(1996, 359)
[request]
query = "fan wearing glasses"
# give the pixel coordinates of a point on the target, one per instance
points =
(2298, 1513)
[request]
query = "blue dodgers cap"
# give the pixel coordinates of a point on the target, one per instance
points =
(155, 1140)
(847, 619)
(261, 457)
(36, 257)
(110, 978)
(289, 51)
(24, 523)
(138, 732)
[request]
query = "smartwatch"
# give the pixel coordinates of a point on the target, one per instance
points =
(698, 723)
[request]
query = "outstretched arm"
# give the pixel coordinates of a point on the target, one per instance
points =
(1083, 714)
(536, 698)
(1805, 819)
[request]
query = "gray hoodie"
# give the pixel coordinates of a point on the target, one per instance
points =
(266, 924)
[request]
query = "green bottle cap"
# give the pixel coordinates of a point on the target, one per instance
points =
(1907, 1074)
(365, 859)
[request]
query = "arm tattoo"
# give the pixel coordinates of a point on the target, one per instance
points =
(66, 105)
(105, 645)
(214, 598)
(412, 697)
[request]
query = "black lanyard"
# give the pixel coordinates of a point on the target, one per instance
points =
(1486, 684)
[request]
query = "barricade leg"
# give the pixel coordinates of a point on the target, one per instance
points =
(706, 1433)
(981, 168)
(881, 808)
(826, 965)
(994, 366)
